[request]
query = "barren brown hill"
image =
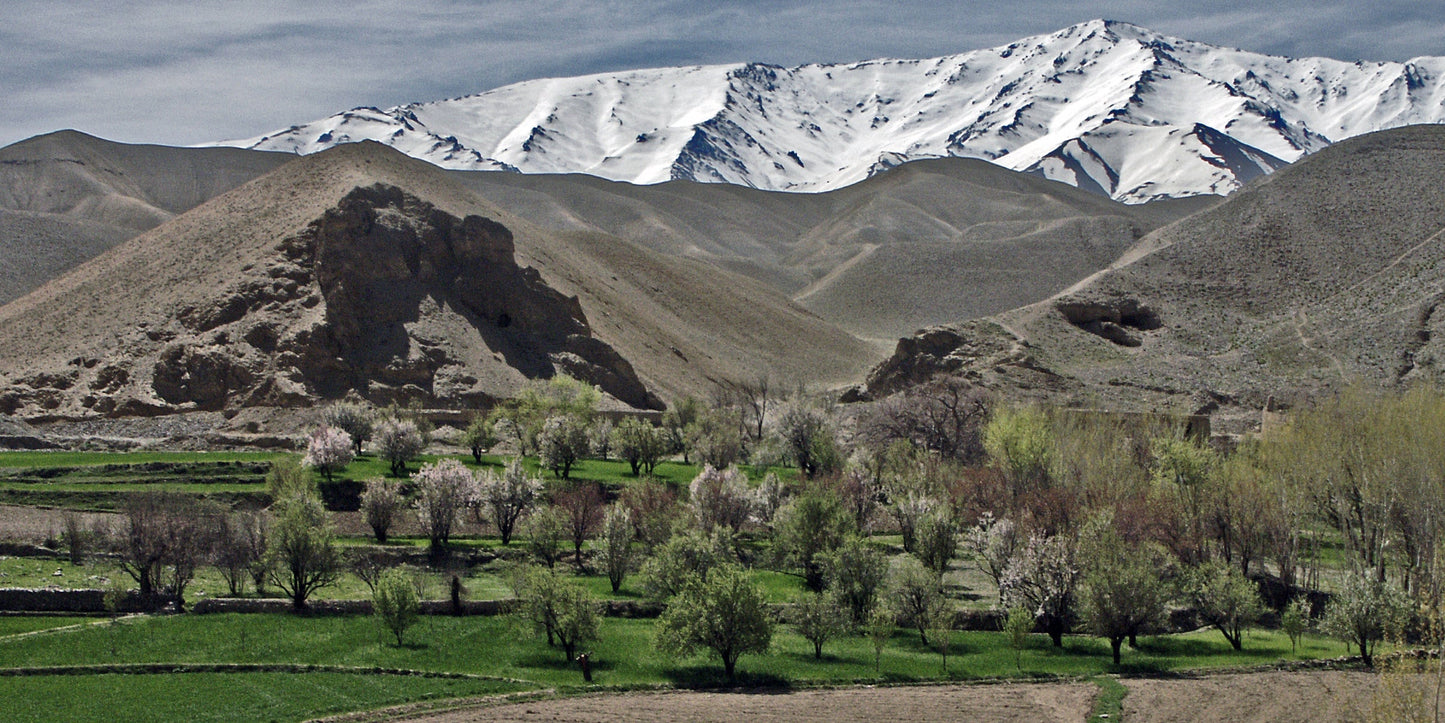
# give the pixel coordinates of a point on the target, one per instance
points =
(926, 242)
(65, 197)
(1331, 269)
(361, 270)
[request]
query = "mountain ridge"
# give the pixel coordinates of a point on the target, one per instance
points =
(1103, 105)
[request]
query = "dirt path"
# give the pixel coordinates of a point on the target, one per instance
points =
(1001, 702)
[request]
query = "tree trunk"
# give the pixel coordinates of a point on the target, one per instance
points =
(1115, 643)
(817, 650)
(298, 600)
(730, 663)
(1055, 628)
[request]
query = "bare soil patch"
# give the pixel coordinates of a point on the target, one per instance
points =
(1300, 696)
(1002, 702)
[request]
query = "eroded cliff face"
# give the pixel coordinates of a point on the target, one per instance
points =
(384, 296)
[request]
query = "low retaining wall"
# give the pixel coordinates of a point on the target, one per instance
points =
(43, 600)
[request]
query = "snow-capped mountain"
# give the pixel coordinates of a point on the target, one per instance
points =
(1103, 105)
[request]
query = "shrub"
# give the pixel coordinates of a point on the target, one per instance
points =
(1295, 621)
(1017, 626)
(394, 601)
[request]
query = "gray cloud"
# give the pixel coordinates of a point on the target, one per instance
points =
(193, 72)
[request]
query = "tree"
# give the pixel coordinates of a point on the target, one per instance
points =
(564, 610)
(639, 443)
(287, 477)
(1020, 443)
(768, 498)
(726, 614)
(1122, 589)
(302, 556)
(683, 557)
(443, 490)
(1017, 625)
(328, 451)
(395, 603)
(479, 437)
(381, 505)
(1294, 621)
(546, 528)
(720, 498)
(521, 418)
(508, 496)
(599, 437)
(562, 441)
(398, 441)
(354, 419)
(913, 592)
(654, 509)
(854, 573)
(939, 621)
(675, 422)
(1364, 611)
(991, 544)
(163, 538)
(818, 618)
(1042, 577)
(809, 527)
(582, 508)
(937, 541)
(944, 416)
(234, 557)
(617, 534)
(1225, 598)
(880, 629)
(716, 437)
(809, 439)
(908, 509)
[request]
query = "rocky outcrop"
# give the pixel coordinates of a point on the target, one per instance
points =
(384, 296)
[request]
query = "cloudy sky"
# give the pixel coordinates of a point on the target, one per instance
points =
(203, 70)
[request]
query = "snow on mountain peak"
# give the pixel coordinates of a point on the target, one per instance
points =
(1104, 105)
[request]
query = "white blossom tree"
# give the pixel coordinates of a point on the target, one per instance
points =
(328, 451)
(443, 490)
(508, 496)
(398, 441)
(720, 498)
(1042, 577)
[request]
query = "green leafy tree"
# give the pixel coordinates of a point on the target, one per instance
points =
(1122, 590)
(1016, 626)
(1364, 612)
(682, 557)
(564, 610)
(809, 438)
(1294, 621)
(937, 541)
(479, 437)
(914, 595)
(1225, 599)
(617, 534)
(561, 443)
(546, 528)
(639, 443)
(726, 614)
(807, 529)
(819, 618)
(302, 556)
(394, 602)
(855, 572)
(1019, 441)
(675, 423)
(881, 625)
